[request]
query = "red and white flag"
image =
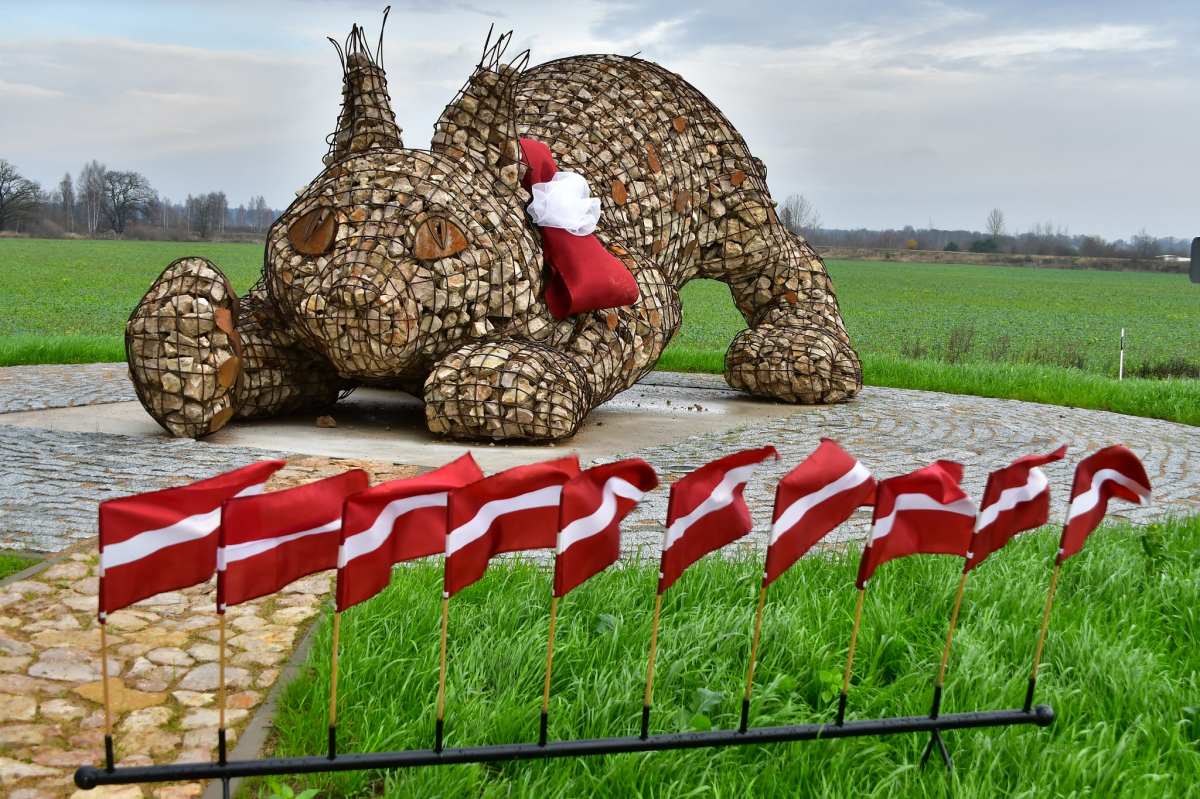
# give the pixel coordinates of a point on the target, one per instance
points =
(392, 522)
(274, 539)
(167, 540)
(811, 500)
(1017, 498)
(514, 510)
(706, 511)
(924, 512)
(590, 513)
(1111, 472)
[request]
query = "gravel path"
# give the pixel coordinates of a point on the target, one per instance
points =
(50, 482)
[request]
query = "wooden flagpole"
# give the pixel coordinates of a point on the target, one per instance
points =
(762, 598)
(549, 659)
(437, 746)
(221, 679)
(1037, 658)
(108, 739)
(937, 689)
(841, 714)
(650, 671)
(337, 623)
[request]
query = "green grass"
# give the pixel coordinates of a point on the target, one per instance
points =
(1122, 671)
(11, 564)
(67, 301)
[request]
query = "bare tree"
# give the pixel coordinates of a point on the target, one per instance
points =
(799, 215)
(995, 223)
(18, 196)
(90, 190)
(66, 191)
(259, 213)
(126, 194)
(1145, 246)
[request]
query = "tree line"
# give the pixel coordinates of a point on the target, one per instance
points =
(1043, 238)
(99, 201)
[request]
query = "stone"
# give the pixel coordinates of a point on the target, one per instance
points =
(75, 758)
(111, 792)
(270, 638)
(151, 741)
(62, 709)
(17, 708)
(259, 658)
(188, 790)
(70, 570)
(96, 720)
(9, 646)
(13, 770)
(135, 760)
(243, 700)
(207, 678)
(167, 598)
(27, 733)
(169, 656)
(292, 616)
(12, 665)
(207, 653)
(131, 620)
(247, 623)
(160, 637)
(208, 717)
(207, 737)
(83, 604)
(63, 670)
(146, 718)
(22, 685)
(29, 793)
(193, 698)
(88, 640)
(122, 699)
(197, 755)
(27, 587)
(326, 421)
(316, 584)
(87, 739)
(266, 678)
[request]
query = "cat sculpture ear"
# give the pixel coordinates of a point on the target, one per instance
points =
(479, 128)
(366, 121)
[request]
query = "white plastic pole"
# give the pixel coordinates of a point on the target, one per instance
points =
(1121, 368)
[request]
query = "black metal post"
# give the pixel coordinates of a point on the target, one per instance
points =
(745, 715)
(936, 738)
(645, 722)
(1029, 695)
(108, 754)
(437, 736)
(221, 746)
(542, 733)
(332, 741)
(841, 716)
(88, 777)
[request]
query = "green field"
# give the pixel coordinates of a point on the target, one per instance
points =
(1121, 670)
(1044, 335)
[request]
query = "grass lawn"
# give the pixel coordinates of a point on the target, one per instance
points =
(11, 564)
(1014, 329)
(1122, 671)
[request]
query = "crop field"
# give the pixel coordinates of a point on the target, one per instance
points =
(1120, 670)
(1043, 335)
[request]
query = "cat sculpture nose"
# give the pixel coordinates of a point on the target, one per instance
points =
(354, 292)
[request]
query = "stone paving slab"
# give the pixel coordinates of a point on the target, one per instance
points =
(34, 388)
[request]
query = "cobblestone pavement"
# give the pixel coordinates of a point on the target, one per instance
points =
(33, 388)
(893, 431)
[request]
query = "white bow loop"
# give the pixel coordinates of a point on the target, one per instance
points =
(565, 202)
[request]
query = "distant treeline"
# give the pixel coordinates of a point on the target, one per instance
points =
(100, 202)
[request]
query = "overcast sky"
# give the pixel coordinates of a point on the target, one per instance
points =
(1084, 114)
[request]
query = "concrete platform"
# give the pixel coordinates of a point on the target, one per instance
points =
(390, 426)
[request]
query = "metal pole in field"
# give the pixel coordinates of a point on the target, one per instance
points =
(1121, 368)
(108, 741)
(437, 746)
(936, 736)
(762, 598)
(549, 660)
(1037, 657)
(337, 623)
(841, 714)
(221, 677)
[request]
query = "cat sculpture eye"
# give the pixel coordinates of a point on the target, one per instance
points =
(313, 232)
(437, 238)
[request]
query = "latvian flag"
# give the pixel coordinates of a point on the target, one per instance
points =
(167, 540)
(1111, 472)
(925, 512)
(811, 500)
(590, 513)
(514, 510)
(392, 522)
(274, 539)
(706, 511)
(1017, 498)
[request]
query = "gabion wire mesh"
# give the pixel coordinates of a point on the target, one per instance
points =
(404, 267)
(183, 350)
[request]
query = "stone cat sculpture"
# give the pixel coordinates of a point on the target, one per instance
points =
(421, 270)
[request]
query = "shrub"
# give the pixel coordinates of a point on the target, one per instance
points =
(1164, 370)
(984, 245)
(911, 244)
(951, 247)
